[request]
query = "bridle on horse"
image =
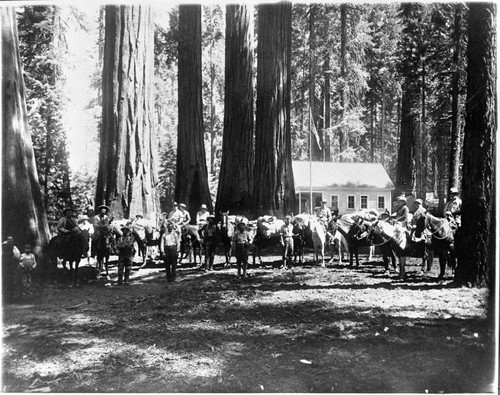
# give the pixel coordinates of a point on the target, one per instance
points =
(433, 234)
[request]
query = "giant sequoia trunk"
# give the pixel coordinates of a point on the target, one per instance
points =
(127, 177)
(191, 185)
(405, 171)
(236, 173)
(23, 210)
(476, 244)
(456, 131)
(274, 191)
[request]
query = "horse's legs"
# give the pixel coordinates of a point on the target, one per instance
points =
(442, 265)
(402, 267)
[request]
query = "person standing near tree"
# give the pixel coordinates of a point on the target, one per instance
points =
(126, 252)
(170, 245)
(286, 240)
(241, 240)
(27, 262)
(209, 237)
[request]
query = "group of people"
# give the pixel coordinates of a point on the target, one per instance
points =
(452, 211)
(13, 263)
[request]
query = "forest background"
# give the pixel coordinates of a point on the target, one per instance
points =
(353, 57)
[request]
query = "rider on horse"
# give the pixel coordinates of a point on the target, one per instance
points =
(68, 227)
(324, 214)
(402, 214)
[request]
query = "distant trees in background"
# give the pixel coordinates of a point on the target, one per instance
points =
(43, 48)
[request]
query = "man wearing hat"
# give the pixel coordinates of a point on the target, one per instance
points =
(126, 252)
(209, 237)
(174, 215)
(201, 216)
(454, 205)
(402, 213)
(324, 213)
(417, 216)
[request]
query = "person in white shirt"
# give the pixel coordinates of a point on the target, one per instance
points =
(202, 215)
(170, 245)
(454, 206)
(27, 261)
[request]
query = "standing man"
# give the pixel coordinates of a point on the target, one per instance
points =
(138, 228)
(209, 236)
(286, 240)
(241, 240)
(202, 215)
(170, 244)
(126, 252)
(324, 213)
(454, 206)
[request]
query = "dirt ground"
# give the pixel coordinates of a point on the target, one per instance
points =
(307, 329)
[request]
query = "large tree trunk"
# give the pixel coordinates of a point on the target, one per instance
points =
(315, 149)
(456, 130)
(23, 209)
(236, 173)
(127, 177)
(328, 110)
(477, 234)
(191, 186)
(274, 191)
(343, 139)
(405, 171)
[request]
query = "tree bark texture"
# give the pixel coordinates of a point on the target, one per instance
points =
(316, 152)
(343, 139)
(191, 185)
(128, 176)
(405, 179)
(23, 210)
(456, 132)
(274, 191)
(477, 234)
(236, 173)
(328, 109)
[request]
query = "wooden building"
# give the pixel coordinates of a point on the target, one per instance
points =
(346, 186)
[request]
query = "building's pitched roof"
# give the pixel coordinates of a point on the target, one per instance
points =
(341, 175)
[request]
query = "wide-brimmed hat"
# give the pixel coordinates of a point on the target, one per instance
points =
(419, 201)
(453, 190)
(204, 206)
(83, 217)
(101, 207)
(182, 205)
(401, 198)
(324, 201)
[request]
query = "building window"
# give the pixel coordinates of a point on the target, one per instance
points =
(334, 202)
(363, 202)
(381, 202)
(350, 202)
